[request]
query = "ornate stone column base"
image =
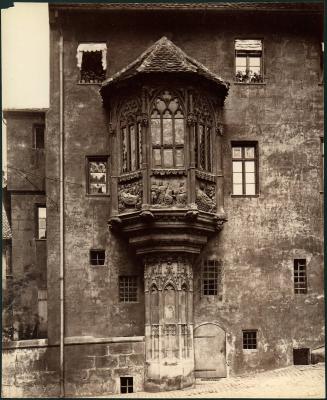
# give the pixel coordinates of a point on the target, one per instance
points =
(168, 281)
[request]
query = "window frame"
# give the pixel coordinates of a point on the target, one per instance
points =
(97, 259)
(37, 223)
(300, 287)
(262, 65)
(217, 264)
(138, 146)
(164, 146)
(243, 144)
(35, 127)
(245, 340)
(99, 158)
(124, 301)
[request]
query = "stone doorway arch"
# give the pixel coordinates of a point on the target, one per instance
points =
(210, 351)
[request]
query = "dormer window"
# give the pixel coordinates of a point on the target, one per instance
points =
(167, 132)
(92, 61)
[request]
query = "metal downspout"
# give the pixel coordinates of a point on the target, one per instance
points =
(61, 215)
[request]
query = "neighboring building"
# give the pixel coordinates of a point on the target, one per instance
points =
(189, 143)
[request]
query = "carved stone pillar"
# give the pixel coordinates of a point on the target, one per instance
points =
(168, 282)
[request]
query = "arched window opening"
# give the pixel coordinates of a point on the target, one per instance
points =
(131, 147)
(203, 146)
(183, 304)
(167, 132)
(170, 304)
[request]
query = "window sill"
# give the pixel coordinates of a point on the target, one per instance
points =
(97, 195)
(250, 350)
(244, 195)
(40, 240)
(250, 83)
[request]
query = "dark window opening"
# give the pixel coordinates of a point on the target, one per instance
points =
(211, 278)
(249, 340)
(248, 61)
(41, 232)
(126, 384)
(300, 276)
(245, 169)
(301, 356)
(97, 169)
(127, 289)
(38, 137)
(97, 257)
(92, 70)
(203, 157)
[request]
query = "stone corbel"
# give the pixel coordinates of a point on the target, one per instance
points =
(143, 119)
(147, 215)
(115, 223)
(219, 222)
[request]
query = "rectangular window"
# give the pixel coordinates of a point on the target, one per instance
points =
(126, 384)
(249, 340)
(248, 61)
(41, 222)
(300, 276)
(127, 289)
(97, 257)
(211, 278)
(38, 136)
(245, 169)
(131, 147)
(97, 170)
(92, 61)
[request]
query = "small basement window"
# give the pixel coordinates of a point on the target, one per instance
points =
(38, 136)
(92, 61)
(97, 257)
(301, 356)
(126, 384)
(249, 340)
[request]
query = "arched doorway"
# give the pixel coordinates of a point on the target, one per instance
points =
(210, 351)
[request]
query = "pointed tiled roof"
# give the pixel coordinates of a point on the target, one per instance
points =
(164, 57)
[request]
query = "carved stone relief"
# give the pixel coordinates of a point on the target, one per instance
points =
(130, 196)
(206, 196)
(168, 192)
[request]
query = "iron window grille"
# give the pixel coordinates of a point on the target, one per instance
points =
(211, 278)
(128, 289)
(38, 136)
(97, 175)
(97, 257)
(126, 384)
(249, 340)
(300, 276)
(41, 230)
(245, 169)
(248, 61)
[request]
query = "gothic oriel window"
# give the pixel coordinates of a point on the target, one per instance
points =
(167, 132)
(131, 136)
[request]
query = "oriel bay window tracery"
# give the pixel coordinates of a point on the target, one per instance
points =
(167, 132)
(131, 146)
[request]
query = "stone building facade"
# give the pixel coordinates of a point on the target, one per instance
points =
(167, 210)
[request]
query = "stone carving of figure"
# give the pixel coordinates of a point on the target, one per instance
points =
(205, 197)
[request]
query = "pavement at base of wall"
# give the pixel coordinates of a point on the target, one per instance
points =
(296, 381)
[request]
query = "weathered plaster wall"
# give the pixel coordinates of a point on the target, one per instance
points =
(26, 166)
(29, 265)
(90, 369)
(263, 234)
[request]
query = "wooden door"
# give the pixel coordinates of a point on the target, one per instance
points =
(210, 351)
